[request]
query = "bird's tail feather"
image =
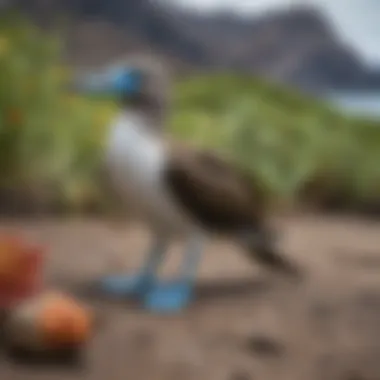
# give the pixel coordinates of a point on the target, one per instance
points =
(260, 246)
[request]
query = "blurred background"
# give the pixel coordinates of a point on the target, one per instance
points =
(290, 89)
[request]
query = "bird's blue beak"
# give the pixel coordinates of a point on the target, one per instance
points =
(120, 81)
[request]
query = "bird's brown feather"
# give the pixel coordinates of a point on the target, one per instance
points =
(224, 200)
(215, 193)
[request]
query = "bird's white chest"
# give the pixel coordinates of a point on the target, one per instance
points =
(135, 159)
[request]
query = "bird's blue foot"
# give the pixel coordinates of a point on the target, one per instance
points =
(127, 285)
(168, 297)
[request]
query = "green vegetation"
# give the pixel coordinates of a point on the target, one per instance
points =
(49, 139)
(296, 147)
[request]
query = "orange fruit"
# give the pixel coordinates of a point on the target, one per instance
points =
(63, 322)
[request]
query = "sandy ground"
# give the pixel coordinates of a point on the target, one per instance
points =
(244, 323)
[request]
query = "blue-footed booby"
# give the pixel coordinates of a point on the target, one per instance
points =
(177, 190)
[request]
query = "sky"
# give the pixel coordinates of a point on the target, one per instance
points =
(356, 21)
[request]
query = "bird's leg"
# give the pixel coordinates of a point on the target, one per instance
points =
(140, 283)
(173, 296)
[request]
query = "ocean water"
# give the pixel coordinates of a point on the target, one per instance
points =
(357, 103)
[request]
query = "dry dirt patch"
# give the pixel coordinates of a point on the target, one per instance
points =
(244, 323)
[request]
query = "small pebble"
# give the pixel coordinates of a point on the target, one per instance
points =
(263, 345)
(241, 375)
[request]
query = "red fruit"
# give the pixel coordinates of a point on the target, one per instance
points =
(20, 270)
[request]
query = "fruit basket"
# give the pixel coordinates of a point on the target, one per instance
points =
(21, 270)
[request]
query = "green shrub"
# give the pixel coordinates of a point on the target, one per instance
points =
(284, 139)
(48, 137)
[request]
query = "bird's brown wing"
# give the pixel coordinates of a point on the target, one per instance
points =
(215, 193)
(224, 200)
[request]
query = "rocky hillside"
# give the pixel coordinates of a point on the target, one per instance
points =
(297, 47)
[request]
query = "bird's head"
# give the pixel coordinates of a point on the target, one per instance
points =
(139, 83)
(122, 82)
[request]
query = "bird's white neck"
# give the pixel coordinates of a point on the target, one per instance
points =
(135, 159)
(129, 127)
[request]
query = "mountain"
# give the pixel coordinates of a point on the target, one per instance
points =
(296, 46)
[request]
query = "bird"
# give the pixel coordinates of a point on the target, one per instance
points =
(177, 190)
